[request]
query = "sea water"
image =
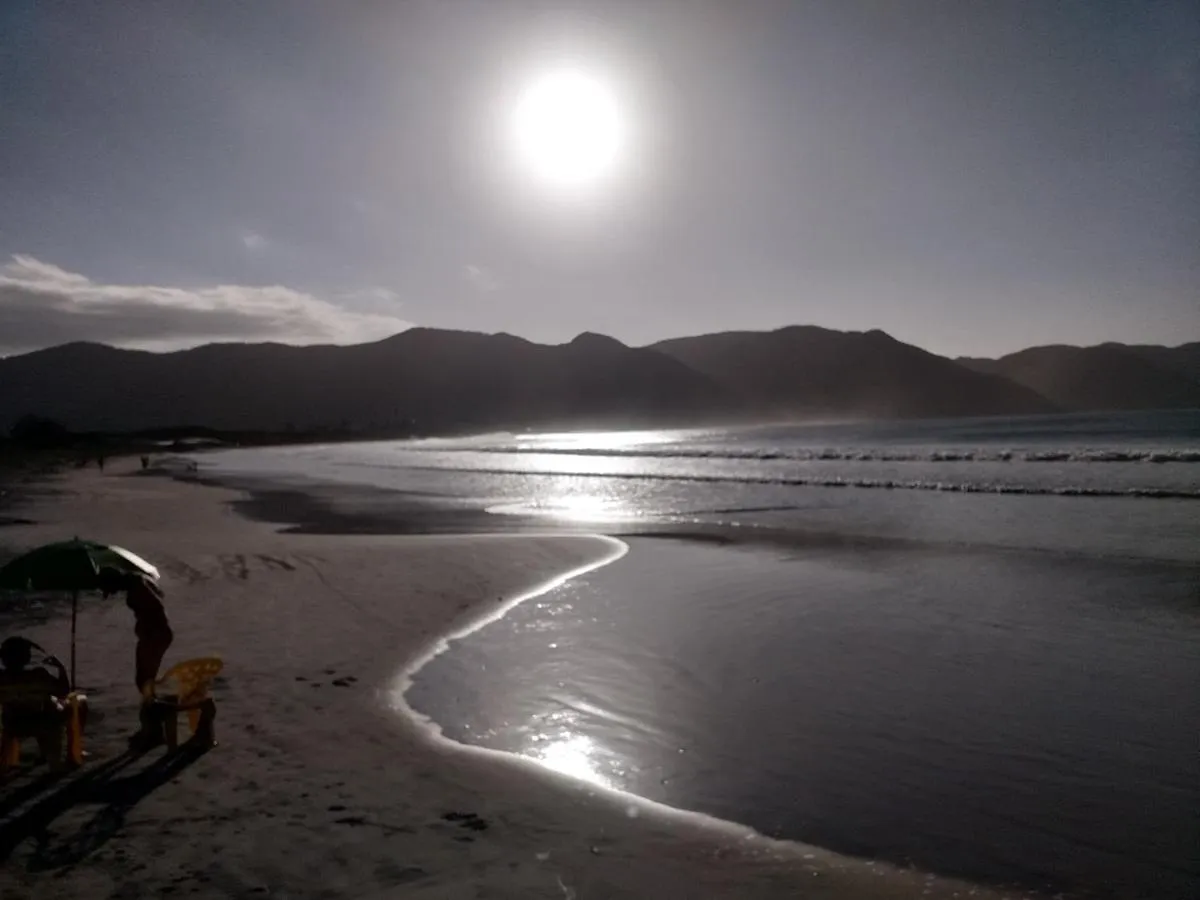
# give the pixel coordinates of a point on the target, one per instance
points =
(971, 645)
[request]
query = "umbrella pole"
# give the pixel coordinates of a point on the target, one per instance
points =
(74, 616)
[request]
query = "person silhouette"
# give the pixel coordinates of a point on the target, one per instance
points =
(41, 719)
(16, 653)
(151, 627)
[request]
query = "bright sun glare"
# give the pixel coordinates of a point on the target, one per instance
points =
(573, 757)
(568, 129)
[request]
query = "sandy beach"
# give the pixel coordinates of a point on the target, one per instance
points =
(320, 787)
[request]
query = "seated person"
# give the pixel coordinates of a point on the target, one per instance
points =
(40, 719)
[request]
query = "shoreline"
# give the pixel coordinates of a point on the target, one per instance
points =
(385, 514)
(611, 698)
(404, 678)
(314, 507)
(276, 502)
(303, 797)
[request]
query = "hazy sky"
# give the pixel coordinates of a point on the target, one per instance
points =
(973, 176)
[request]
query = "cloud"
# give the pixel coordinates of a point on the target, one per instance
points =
(42, 305)
(252, 240)
(480, 279)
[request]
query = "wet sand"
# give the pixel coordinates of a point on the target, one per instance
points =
(864, 700)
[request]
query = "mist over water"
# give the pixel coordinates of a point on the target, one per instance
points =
(973, 646)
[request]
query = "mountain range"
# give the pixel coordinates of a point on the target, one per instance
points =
(1108, 376)
(429, 380)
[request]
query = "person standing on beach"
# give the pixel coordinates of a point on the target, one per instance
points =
(151, 627)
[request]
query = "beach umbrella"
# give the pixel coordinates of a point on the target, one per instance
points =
(72, 566)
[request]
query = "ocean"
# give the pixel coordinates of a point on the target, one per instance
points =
(972, 646)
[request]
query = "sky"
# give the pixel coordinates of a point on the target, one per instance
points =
(971, 176)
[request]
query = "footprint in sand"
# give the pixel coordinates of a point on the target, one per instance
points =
(236, 566)
(274, 562)
(183, 571)
(466, 820)
(391, 873)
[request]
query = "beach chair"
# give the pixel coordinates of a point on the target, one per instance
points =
(190, 681)
(53, 741)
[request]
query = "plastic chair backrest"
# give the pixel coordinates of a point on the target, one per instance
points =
(193, 676)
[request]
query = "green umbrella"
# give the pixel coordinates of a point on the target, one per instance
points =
(70, 566)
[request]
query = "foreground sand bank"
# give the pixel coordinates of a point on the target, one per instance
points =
(319, 789)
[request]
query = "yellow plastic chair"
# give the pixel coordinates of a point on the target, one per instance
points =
(52, 741)
(191, 680)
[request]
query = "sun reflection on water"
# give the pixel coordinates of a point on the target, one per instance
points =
(597, 440)
(573, 756)
(565, 501)
(585, 507)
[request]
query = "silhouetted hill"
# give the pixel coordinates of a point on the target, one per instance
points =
(425, 379)
(805, 371)
(1105, 377)
(435, 381)
(1184, 358)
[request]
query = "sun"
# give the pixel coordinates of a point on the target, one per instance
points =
(568, 129)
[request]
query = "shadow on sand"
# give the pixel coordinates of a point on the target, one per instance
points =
(112, 786)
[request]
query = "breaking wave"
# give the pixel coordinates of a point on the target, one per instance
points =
(834, 454)
(957, 487)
